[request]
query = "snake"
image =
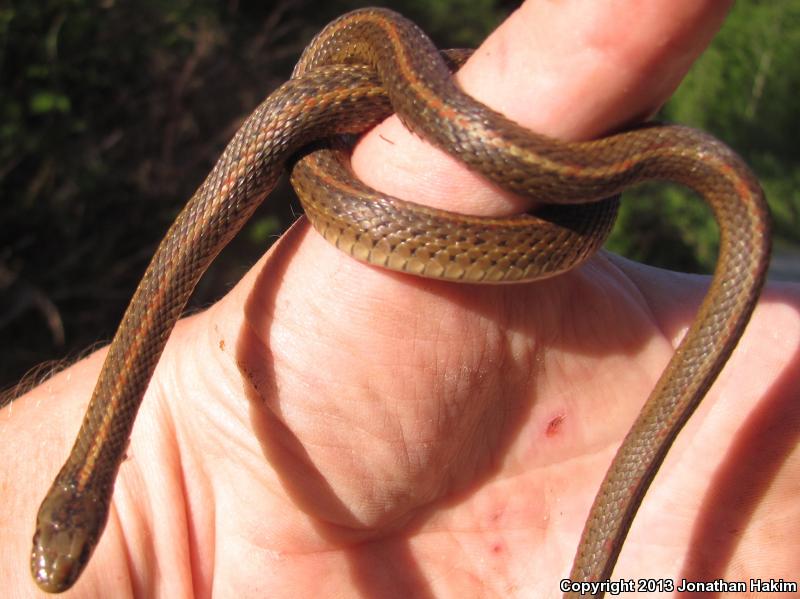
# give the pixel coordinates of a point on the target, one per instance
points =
(359, 69)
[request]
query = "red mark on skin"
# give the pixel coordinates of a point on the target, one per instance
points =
(497, 548)
(553, 426)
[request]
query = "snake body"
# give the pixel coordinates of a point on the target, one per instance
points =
(358, 70)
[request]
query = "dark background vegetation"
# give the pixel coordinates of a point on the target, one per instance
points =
(112, 112)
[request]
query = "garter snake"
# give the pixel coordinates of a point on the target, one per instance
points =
(358, 70)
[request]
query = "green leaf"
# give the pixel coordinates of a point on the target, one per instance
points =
(45, 102)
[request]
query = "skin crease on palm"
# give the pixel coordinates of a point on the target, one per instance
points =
(331, 429)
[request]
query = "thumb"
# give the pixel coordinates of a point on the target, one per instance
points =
(572, 70)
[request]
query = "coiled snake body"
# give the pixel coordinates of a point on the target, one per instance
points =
(359, 69)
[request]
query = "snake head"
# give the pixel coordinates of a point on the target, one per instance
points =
(68, 527)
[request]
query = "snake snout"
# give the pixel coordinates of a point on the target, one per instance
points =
(57, 557)
(67, 530)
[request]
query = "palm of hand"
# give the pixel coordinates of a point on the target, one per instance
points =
(450, 440)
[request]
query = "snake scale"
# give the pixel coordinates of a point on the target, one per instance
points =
(358, 70)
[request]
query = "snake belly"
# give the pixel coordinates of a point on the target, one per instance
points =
(358, 70)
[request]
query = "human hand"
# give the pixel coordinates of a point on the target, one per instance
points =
(331, 428)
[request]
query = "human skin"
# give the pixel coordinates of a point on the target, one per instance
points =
(333, 429)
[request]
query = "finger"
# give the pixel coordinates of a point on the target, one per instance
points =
(570, 69)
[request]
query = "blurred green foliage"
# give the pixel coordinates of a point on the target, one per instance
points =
(743, 91)
(112, 112)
